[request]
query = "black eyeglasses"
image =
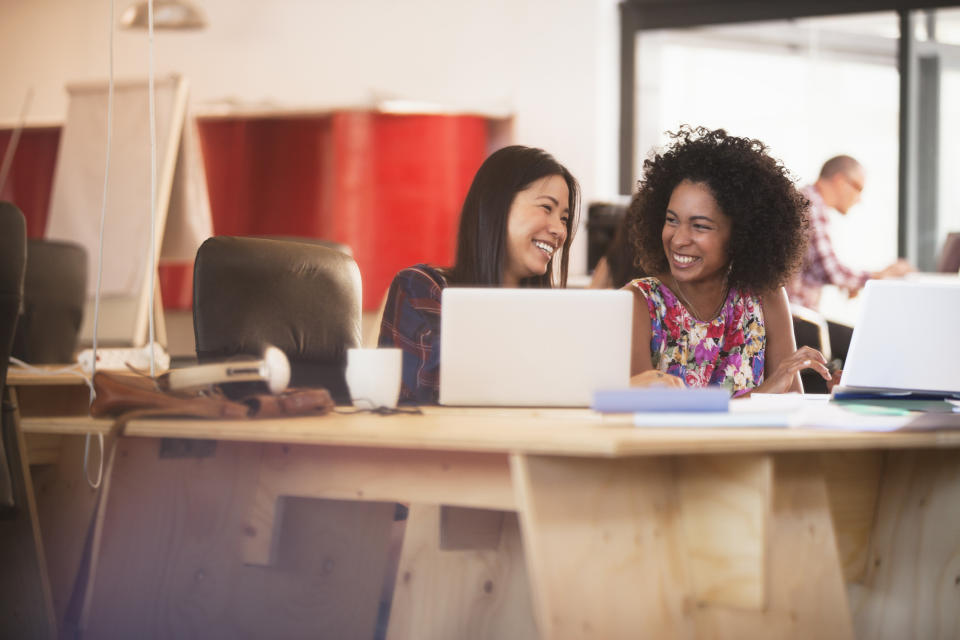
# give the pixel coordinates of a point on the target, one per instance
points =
(853, 183)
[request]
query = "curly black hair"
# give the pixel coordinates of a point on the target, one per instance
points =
(756, 191)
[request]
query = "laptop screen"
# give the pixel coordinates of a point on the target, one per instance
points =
(533, 347)
(906, 337)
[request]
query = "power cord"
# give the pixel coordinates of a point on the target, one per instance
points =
(96, 300)
(72, 370)
(153, 181)
(103, 216)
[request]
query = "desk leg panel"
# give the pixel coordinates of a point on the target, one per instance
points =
(66, 506)
(912, 587)
(26, 604)
(478, 480)
(601, 539)
(611, 554)
(170, 563)
(853, 486)
(479, 593)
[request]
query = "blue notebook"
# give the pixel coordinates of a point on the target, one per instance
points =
(660, 400)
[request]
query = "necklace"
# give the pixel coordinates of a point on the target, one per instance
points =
(691, 307)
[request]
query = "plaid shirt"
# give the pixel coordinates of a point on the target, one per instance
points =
(820, 264)
(411, 322)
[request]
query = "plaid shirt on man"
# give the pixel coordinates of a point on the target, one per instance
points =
(821, 265)
(411, 322)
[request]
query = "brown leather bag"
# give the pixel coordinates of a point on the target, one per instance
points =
(127, 396)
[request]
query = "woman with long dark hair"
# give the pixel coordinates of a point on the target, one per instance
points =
(515, 230)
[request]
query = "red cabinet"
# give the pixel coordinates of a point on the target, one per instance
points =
(387, 185)
(30, 180)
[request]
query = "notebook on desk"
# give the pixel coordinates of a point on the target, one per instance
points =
(533, 347)
(904, 343)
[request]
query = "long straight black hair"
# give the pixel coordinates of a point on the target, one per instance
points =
(482, 237)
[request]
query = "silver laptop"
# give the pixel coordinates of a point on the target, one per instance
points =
(905, 339)
(533, 347)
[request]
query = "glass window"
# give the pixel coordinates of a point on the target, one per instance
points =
(949, 195)
(810, 89)
(948, 26)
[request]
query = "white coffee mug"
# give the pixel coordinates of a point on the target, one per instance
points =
(373, 376)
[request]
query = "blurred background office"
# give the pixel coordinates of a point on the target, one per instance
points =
(816, 87)
(595, 82)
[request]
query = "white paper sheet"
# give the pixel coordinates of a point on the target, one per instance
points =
(782, 411)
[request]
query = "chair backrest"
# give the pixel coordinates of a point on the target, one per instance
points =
(949, 261)
(810, 329)
(330, 244)
(54, 294)
(302, 298)
(13, 246)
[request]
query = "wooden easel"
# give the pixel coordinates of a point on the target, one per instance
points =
(78, 191)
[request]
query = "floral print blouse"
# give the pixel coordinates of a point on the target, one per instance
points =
(727, 350)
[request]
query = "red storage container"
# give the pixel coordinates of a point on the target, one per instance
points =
(389, 186)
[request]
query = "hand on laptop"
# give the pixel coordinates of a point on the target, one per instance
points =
(654, 378)
(898, 269)
(782, 378)
(834, 379)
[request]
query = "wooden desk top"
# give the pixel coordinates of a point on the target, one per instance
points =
(45, 377)
(66, 425)
(573, 432)
(55, 375)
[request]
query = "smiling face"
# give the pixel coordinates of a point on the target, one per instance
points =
(696, 234)
(536, 228)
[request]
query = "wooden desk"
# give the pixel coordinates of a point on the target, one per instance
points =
(53, 419)
(586, 525)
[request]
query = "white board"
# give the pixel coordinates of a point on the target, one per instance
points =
(78, 191)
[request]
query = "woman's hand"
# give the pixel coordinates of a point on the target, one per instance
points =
(654, 378)
(834, 380)
(783, 376)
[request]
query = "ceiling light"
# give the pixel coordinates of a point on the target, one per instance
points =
(167, 14)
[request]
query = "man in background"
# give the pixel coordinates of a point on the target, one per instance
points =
(839, 186)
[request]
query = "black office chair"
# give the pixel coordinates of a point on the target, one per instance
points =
(23, 580)
(302, 298)
(330, 244)
(13, 246)
(54, 293)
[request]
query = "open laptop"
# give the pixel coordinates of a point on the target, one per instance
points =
(533, 347)
(905, 341)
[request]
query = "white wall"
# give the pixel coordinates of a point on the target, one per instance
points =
(551, 63)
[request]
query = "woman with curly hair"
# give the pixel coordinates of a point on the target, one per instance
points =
(720, 227)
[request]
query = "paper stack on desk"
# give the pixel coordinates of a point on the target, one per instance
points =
(710, 408)
(821, 413)
(782, 411)
(697, 408)
(757, 411)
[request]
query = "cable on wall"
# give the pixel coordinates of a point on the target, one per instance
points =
(153, 191)
(96, 299)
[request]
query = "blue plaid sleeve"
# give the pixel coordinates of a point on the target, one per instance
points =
(411, 322)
